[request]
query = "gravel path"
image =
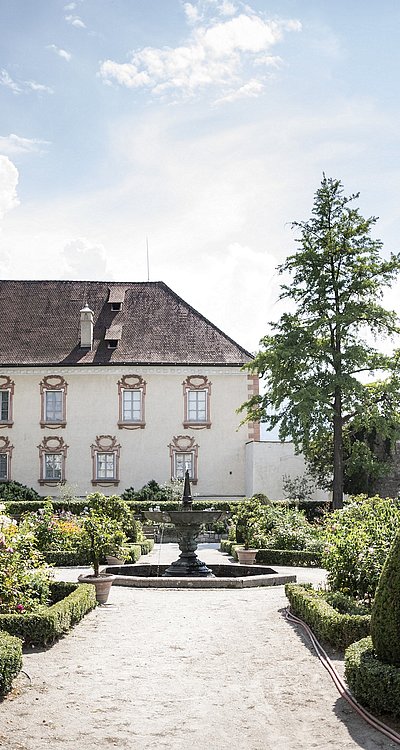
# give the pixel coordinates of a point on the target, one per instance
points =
(178, 669)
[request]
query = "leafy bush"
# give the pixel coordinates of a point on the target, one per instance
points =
(154, 492)
(298, 488)
(357, 542)
(71, 602)
(327, 623)
(385, 615)
(275, 527)
(373, 683)
(10, 660)
(16, 491)
(24, 584)
(101, 536)
(52, 530)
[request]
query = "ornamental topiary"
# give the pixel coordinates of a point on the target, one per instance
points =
(385, 615)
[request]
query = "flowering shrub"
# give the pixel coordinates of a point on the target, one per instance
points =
(266, 526)
(61, 531)
(24, 583)
(357, 539)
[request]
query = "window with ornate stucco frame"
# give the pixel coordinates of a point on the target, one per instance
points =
(6, 401)
(53, 402)
(6, 450)
(196, 402)
(183, 451)
(105, 460)
(131, 399)
(52, 459)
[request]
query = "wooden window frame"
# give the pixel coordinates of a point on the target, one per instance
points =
(184, 444)
(196, 383)
(55, 446)
(131, 383)
(7, 385)
(6, 449)
(53, 383)
(105, 444)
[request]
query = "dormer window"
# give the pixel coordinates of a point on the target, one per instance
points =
(113, 336)
(116, 297)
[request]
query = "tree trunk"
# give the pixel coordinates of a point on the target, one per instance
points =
(337, 500)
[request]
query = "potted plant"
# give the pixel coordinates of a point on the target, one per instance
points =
(246, 519)
(100, 534)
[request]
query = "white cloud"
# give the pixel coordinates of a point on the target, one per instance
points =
(8, 185)
(70, 6)
(7, 81)
(251, 89)
(60, 52)
(75, 21)
(19, 87)
(13, 144)
(217, 53)
(39, 87)
(85, 259)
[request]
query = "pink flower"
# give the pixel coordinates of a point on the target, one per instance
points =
(20, 608)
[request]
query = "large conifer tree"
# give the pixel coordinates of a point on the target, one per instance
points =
(313, 360)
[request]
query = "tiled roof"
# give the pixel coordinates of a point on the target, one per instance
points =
(40, 325)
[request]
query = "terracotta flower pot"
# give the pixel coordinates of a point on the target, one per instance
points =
(112, 560)
(102, 583)
(247, 556)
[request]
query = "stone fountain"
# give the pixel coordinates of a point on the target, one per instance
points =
(188, 523)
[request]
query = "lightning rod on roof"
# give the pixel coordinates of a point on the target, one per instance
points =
(147, 255)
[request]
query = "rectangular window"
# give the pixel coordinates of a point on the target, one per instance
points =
(4, 406)
(3, 466)
(183, 461)
(105, 466)
(53, 466)
(132, 406)
(53, 406)
(197, 406)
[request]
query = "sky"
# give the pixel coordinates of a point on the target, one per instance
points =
(199, 130)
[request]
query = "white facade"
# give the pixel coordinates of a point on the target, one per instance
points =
(145, 452)
(266, 464)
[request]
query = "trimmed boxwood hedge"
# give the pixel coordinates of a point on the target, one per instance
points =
(339, 630)
(293, 557)
(374, 684)
(70, 602)
(10, 660)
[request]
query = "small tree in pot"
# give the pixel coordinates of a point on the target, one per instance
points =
(247, 520)
(100, 533)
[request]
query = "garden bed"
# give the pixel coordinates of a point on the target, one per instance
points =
(70, 602)
(333, 627)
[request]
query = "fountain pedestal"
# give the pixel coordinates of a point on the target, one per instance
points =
(188, 564)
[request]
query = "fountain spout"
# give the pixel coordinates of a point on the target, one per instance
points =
(187, 500)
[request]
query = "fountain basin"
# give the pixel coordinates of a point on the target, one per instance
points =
(229, 576)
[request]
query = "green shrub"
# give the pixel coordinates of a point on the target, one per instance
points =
(357, 542)
(340, 630)
(53, 530)
(385, 615)
(10, 660)
(67, 558)
(16, 491)
(71, 602)
(292, 557)
(373, 683)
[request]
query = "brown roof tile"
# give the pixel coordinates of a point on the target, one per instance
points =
(41, 325)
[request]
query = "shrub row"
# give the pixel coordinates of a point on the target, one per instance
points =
(64, 559)
(16, 508)
(374, 684)
(340, 630)
(71, 601)
(10, 660)
(297, 558)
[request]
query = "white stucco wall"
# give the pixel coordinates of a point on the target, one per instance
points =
(92, 409)
(266, 463)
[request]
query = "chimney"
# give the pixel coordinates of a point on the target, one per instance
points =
(86, 327)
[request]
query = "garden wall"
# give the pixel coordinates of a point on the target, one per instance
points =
(266, 463)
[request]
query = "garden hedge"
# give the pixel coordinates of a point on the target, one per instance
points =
(10, 660)
(70, 602)
(339, 630)
(374, 684)
(293, 557)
